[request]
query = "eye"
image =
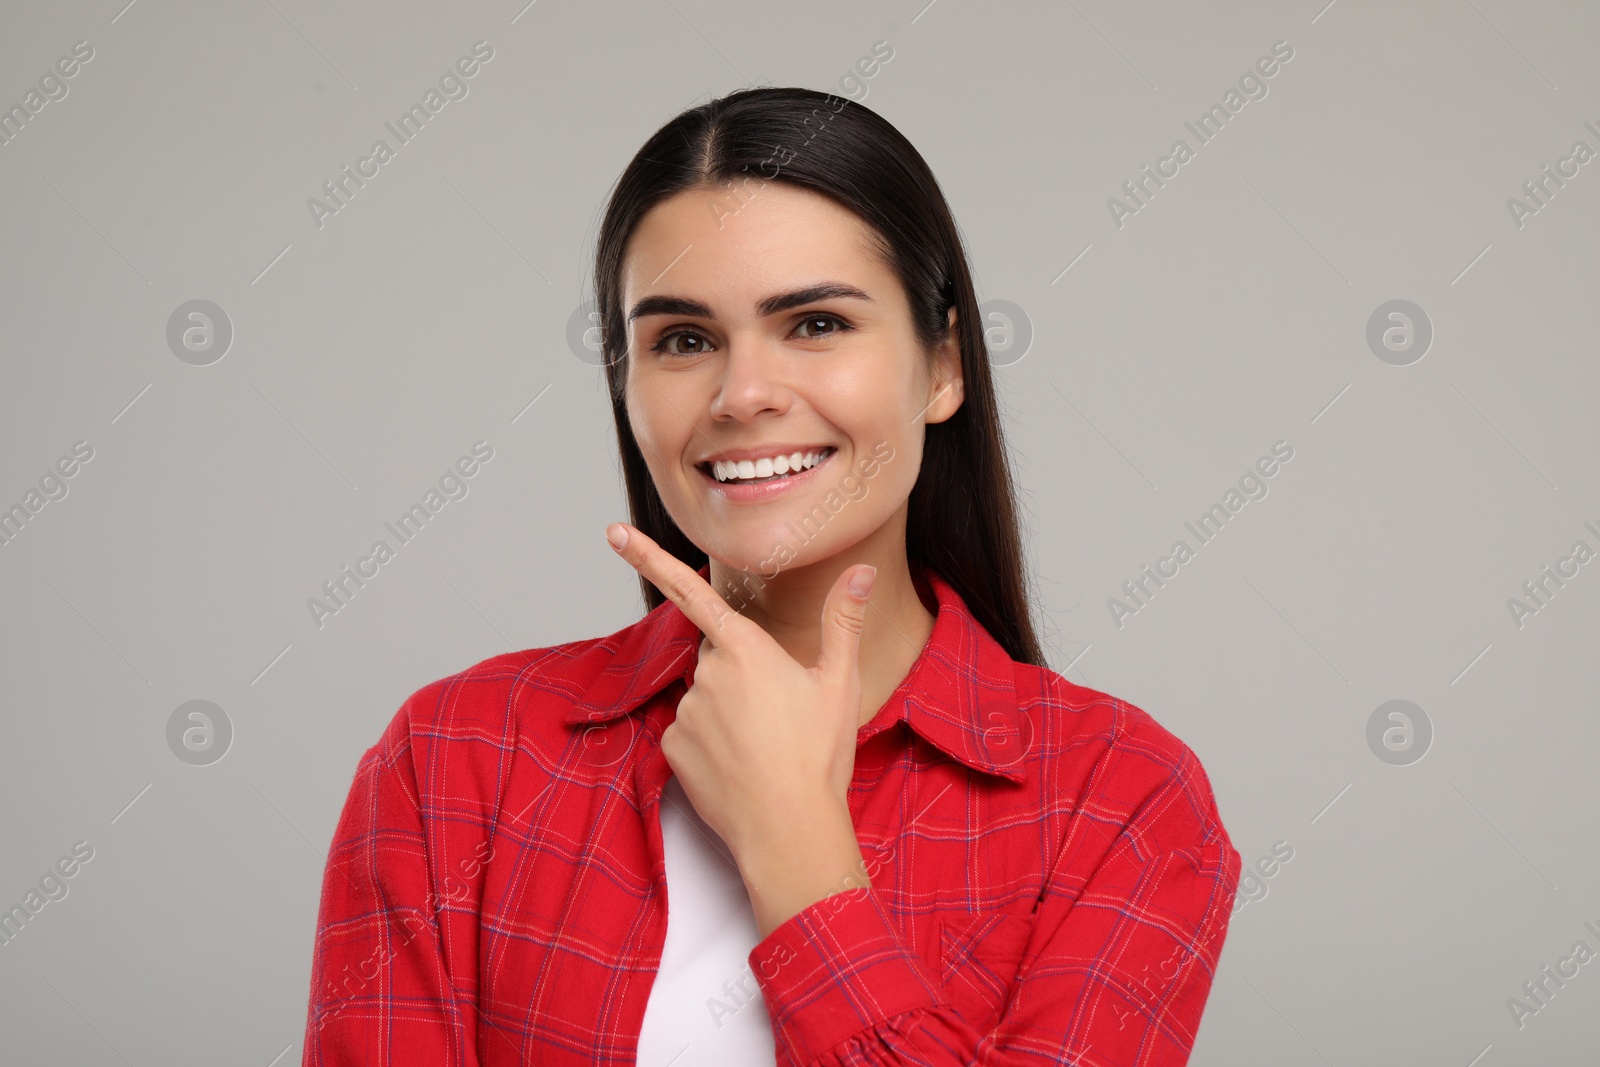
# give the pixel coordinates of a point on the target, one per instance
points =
(666, 339)
(822, 318)
(665, 344)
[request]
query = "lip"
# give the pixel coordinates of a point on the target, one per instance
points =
(761, 491)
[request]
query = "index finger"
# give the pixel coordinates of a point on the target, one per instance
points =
(679, 583)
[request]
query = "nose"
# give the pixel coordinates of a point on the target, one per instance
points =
(752, 383)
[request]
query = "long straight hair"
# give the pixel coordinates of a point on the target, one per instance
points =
(962, 519)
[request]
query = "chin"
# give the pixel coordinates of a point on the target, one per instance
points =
(754, 554)
(761, 562)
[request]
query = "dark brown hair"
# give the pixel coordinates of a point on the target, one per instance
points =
(962, 518)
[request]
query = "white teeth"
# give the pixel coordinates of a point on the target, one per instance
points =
(726, 471)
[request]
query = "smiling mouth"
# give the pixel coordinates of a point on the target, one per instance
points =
(748, 473)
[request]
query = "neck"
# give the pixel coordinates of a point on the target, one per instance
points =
(788, 606)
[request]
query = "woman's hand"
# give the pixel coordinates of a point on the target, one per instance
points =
(761, 744)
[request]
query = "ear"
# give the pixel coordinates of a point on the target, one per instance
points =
(946, 391)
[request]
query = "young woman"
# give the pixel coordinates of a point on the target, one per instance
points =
(883, 830)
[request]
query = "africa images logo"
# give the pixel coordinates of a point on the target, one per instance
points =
(1252, 486)
(1252, 86)
(452, 86)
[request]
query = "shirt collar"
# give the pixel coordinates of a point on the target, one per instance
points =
(959, 695)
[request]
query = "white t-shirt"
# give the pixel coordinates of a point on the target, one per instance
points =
(705, 1006)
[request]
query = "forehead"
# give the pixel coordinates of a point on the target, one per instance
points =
(710, 244)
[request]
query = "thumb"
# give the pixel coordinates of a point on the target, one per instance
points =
(844, 614)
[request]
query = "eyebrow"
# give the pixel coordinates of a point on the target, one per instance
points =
(771, 305)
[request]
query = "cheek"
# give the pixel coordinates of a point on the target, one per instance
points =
(873, 498)
(651, 430)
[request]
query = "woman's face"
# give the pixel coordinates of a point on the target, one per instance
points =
(730, 358)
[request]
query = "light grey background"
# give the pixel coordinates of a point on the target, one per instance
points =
(1168, 354)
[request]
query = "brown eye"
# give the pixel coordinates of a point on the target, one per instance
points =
(663, 345)
(824, 320)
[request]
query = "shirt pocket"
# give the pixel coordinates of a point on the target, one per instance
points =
(979, 957)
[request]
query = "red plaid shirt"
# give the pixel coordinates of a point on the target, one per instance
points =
(1051, 881)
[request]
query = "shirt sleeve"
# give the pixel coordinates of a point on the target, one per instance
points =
(1126, 940)
(381, 992)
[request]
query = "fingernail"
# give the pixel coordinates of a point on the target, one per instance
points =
(862, 587)
(617, 534)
